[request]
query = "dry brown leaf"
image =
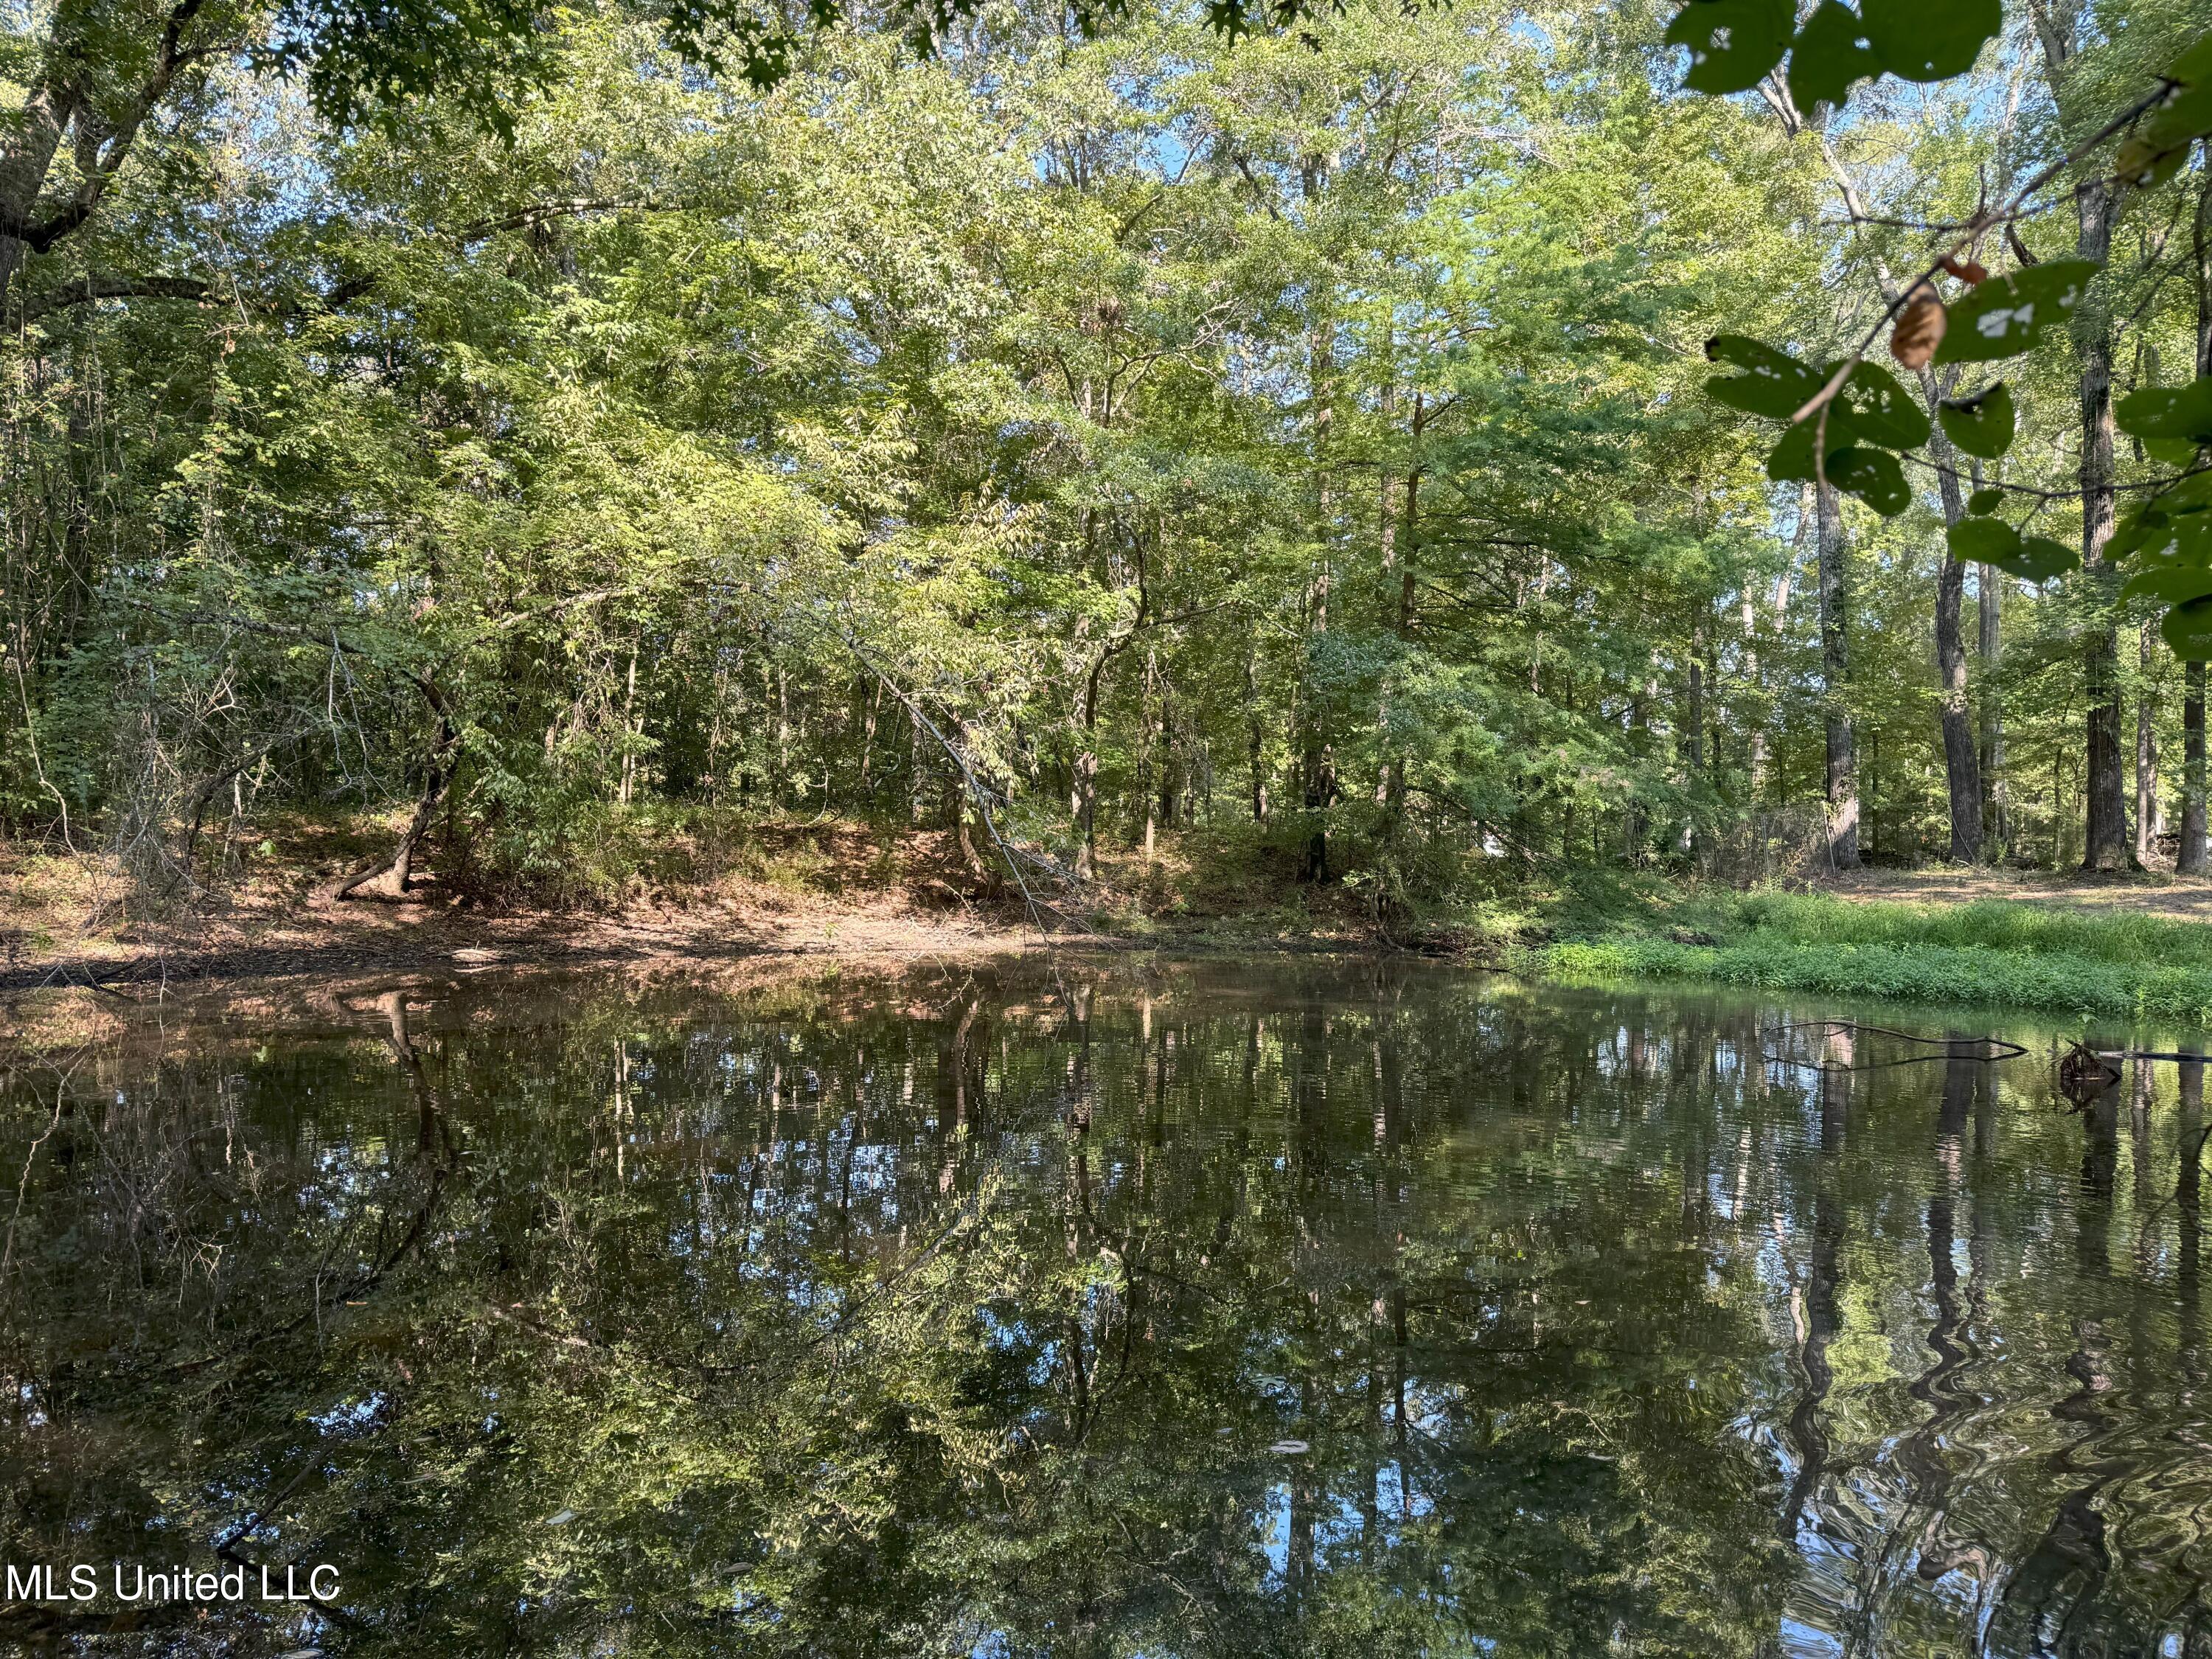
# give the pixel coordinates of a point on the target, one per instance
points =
(1919, 330)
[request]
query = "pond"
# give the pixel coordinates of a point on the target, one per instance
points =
(1136, 1309)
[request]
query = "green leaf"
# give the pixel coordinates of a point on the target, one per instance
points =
(1983, 541)
(2188, 629)
(1773, 384)
(1880, 410)
(1929, 40)
(1831, 54)
(2172, 583)
(2007, 314)
(1993, 542)
(1872, 476)
(2041, 559)
(1980, 425)
(1732, 42)
(2160, 411)
(2194, 65)
(1985, 501)
(2170, 452)
(1791, 460)
(2174, 527)
(2161, 142)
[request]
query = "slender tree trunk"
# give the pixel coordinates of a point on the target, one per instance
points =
(917, 799)
(2105, 845)
(1086, 781)
(1842, 783)
(2148, 813)
(1988, 582)
(2105, 837)
(1693, 752)
(1318, 761)
(1755, 745)
(1256, 735)
(628, 789)
(1150, 757)
(1635, 822)
(1962, 767)
(2190, 858)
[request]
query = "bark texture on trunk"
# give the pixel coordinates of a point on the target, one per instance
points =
(1962, 763)
(2189, 857)
(1843, 781)
(2150, 817)
(2105, 827)
(1996, 819)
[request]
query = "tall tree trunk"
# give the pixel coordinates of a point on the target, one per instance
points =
(1317, 757)
(1086, 781)
(1150, 759)
(2149, 814)
(2105, 811)
(1317, 760)
(1962, 767)
(917, 798)
(2189, 857)
(1961, 764)
(1842, 783)
(1255, 734)
(1997, 823)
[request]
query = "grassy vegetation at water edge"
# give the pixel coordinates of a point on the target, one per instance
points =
(1993, 952)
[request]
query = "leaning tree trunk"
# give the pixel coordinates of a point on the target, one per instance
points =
(1843, 780)
(391, 880)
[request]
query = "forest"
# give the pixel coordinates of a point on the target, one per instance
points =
(545, 434)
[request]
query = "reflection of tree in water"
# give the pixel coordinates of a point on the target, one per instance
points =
(1304, 1312)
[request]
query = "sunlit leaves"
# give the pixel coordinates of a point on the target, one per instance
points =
(1732, 43)
(2006, 315)
(1981, 425)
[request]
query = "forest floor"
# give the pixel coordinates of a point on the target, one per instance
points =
(2157, 893)
(826, 891)
(795, 895)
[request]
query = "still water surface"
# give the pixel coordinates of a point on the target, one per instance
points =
(1217, 1309)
